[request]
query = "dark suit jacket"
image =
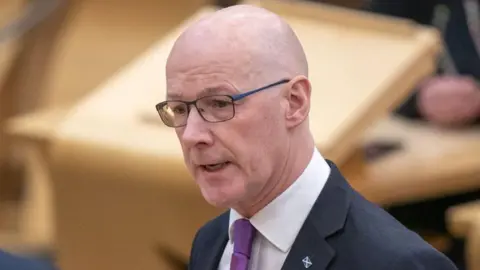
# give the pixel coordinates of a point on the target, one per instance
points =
(12, 262)
(457, 37)
(342, 232)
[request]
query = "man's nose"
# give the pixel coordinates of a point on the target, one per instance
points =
(196, 131)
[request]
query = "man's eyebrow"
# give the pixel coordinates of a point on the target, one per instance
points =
(176, 96)
(211, 91)
(205, 92)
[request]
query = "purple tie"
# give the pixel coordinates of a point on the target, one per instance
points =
(243, 235)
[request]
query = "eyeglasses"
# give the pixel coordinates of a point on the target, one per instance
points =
(213, 109)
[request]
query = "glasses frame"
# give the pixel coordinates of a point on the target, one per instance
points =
(233, 98)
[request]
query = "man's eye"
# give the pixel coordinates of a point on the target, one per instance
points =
(179, 110)
(220, 103)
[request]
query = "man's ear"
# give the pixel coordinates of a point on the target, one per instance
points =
(298, 98)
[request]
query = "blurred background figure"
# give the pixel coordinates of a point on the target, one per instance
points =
(451, 98)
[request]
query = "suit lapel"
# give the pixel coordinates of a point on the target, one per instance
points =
(308, 249)
(311, 249)
(212, 250)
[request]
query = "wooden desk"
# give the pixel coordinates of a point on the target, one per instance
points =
(35, 230)
(432, 163)
(9, 10)
(95, 36)
(9, 49)
(464, 222)
(112, 162)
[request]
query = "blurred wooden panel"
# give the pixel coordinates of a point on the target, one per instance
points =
(461, 219)
(95, 40)
(34, 230)
(433, 162)
(9, 10)
(473, 247)
(464, 222)
(9, 48)
(41, 25)
(36, 27)
(63, 58)
(103, 36)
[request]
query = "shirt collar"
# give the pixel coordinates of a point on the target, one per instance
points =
(281, 220)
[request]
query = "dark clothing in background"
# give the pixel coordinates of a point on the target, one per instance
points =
(457, 37)
(226, 3)
(12, 262)
(465, 60)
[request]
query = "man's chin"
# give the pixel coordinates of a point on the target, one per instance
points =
(220, 201)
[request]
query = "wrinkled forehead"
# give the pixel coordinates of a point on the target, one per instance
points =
(189, 76)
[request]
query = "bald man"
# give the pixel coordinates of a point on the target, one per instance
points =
(238, 97)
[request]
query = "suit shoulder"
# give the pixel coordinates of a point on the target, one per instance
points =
(13, 262)
(212, 227)
(386, 240)
(421, 258)
(207, 235)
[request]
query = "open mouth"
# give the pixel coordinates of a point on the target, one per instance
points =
(215, 167)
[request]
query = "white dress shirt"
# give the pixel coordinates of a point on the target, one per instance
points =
(279, 223)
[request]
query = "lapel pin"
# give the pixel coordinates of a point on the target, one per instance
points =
(307, 262)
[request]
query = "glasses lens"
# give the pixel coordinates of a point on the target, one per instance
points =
(173, 113)
(216, 108)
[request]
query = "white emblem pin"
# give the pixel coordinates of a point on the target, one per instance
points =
(306, 262)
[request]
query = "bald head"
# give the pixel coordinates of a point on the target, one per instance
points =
(259, 42)
(234, 135)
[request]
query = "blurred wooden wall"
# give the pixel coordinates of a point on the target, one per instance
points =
(79, 46)
(64, 57)
(9, 49)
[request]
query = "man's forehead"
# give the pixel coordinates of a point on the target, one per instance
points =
(193, 78)
(213, 42)
(191, 91)
(235, 51)
(214, 56)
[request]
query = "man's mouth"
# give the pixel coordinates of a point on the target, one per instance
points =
(215, 167)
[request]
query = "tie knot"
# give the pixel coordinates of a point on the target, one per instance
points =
(243, 235)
